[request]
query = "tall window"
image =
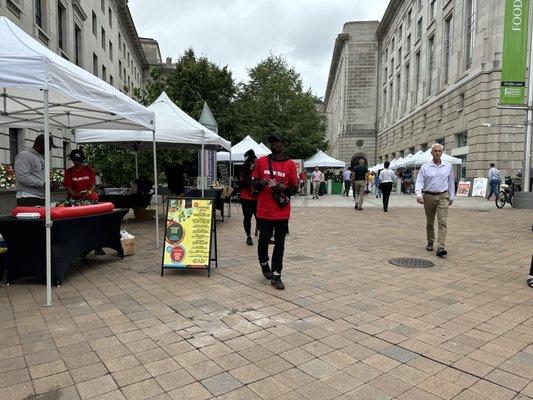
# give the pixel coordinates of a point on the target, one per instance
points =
(398, 87)
(419, 28)
(95, 64)
(431, 64)
(94, 27)
(470, 28)
(13, 144)
(417, 76)
(409, 16)
(431, 10)
(390, 93)
(77, 45)
(406, 80)
(104, 73)
(400, 56)
(39, 13)
(120, 69)
(102, 5)
(103, 39)
(447, 47)
(408, 44)
(386, 74)
(419, 4)
(61, 25)
(400, 31)
(462, 139)
(384, 102)
(119, 42)
(111, 82)
(110, 50)
(110, 16)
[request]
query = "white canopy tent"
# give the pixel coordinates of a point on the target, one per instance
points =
(237, 151)
(41, 90)
(321, 159)
(174, 127)
(423, 157)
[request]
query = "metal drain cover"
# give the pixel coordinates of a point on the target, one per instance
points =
(411, 262)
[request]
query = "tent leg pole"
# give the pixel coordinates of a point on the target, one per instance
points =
(156, 191)
(48, 219)
(136, 165)
(202, 164)
(230, 181)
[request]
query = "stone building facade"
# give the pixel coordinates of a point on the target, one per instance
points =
(438, 77)
(351, 94)
(97, 35)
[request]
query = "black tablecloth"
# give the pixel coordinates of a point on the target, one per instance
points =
(127, 200)
(71, 238)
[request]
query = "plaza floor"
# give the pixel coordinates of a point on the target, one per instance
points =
(348, 326)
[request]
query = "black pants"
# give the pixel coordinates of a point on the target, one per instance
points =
(347, 187)
(386, 188)
(249, 208)
(266, 228)
(29, 202)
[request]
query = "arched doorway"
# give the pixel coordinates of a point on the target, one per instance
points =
(356, 157)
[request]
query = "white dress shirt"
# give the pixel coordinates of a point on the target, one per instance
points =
(387, 176)
(435, 178)
(317, 176)
(494, 174)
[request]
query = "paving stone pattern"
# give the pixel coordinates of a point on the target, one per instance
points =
(348, 326)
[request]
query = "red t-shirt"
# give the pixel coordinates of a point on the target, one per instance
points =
(303, 176)
(80, 179)
(284, 172)
(246, 192)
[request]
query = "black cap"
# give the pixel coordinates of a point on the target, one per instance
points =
(275, 137)
(77, 155)
(249, 153)
(40, 138)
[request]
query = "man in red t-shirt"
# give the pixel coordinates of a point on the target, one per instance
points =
(275, 179)
(79, 179)
(302, 176)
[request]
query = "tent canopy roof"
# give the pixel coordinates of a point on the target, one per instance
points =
(321, 159)
(423, 157)
(238, 150)
(76, 97)
(174, 126)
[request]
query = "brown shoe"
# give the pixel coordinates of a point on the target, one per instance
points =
(429, 247)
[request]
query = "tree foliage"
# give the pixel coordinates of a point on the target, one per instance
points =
(274, 101)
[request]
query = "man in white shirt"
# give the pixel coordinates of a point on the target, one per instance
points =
(435, 189)
(495, 179)
(347, 178)
(317, 177)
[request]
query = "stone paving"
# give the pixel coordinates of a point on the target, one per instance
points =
(349, 325)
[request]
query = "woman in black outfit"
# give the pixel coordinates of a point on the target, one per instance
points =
(387, 178)
(248, 194)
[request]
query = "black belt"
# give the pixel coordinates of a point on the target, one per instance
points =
(433, 193)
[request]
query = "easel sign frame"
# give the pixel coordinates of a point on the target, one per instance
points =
(185, 238)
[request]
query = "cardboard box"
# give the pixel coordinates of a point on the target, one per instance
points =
(128, 245)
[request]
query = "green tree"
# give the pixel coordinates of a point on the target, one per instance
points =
(274, 101)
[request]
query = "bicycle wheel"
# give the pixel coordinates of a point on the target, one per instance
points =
(501, 199)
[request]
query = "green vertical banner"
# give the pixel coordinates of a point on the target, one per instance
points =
(513, 87)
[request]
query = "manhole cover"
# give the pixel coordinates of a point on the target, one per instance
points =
(411, 262)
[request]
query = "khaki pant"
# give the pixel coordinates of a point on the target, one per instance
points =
(436, 204)
(359, 192)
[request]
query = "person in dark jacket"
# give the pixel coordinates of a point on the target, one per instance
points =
(248, 194)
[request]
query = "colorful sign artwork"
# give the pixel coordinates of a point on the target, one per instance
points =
(463, 189)
(188, 233)
(514, 58)
(480, 187)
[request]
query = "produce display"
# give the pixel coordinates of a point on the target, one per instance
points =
(75, 203)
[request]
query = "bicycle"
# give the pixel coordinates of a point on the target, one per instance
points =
(505, 194)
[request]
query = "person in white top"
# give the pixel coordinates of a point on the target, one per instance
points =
(435, 189)
(317, 177)
(387, 178)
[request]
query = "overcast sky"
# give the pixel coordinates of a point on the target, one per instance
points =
(240, 33)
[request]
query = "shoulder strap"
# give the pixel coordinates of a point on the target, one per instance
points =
(270, 167)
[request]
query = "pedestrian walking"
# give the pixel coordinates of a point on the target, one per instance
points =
(275, 179)
(347, 178)
(248, 194)
(302, 177)
(495, 179)
(358, 183)
(387, 177)
(317, 177)
(377, 184)
(435, 189)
